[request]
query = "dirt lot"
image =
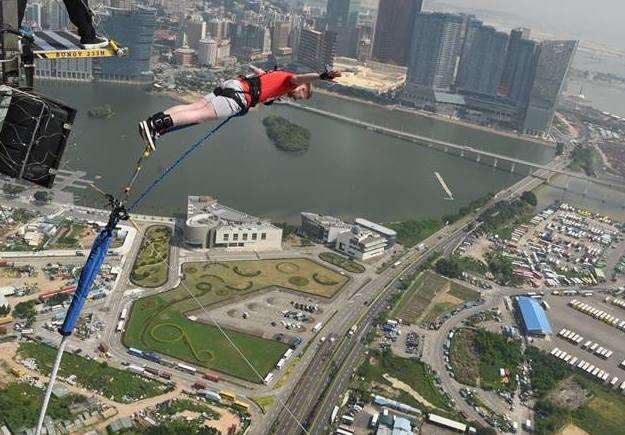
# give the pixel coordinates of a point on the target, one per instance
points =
(569, 395)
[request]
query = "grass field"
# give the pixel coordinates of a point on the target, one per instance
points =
(151, 265)
(430, 295)
(20, 404)
(342, 262)
(159, 323)
(477, 356)
(118, 385)
(414, 373)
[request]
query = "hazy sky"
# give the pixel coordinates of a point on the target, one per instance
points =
(595, 20)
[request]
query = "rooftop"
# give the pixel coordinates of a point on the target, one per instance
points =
(376, 227)
(533, 315)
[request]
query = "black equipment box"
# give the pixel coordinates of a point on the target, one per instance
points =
(33, 135)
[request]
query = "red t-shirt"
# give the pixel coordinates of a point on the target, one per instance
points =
(273, 84)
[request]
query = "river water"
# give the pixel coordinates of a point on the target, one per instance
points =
(347, 171)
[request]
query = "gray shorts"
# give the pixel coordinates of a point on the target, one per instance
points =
(224, 106)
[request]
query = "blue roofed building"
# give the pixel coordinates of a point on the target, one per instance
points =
(533, 317)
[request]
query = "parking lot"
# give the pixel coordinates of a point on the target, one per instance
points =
(563, 316)
(271, 313)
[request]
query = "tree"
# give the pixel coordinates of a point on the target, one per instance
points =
(560, 148)
(4, 310)
(25, 310)
(12, 190)
(486, 431)
(42, 196)
(530, 198)
(449, 268)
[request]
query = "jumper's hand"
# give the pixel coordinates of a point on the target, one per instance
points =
(329, 75)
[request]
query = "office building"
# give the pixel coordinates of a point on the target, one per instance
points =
(432, 58)
(33, 15)
(342, 13)
(552, 66)
(55, 16)
(517, 36)
(322, 229)
(316, 49)
(217, 29)
(388, 234)
(393, 30)
(195, 29)
(360, 244)
(208, 52)
(519, 85)
(280, 37)
(65, 69)
(210, 225)
(482, 60)
(136, 28)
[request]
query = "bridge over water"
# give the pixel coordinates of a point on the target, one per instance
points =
(467, 152)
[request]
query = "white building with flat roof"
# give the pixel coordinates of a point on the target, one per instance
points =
(322, 229)
(211, 225)
(360, 243)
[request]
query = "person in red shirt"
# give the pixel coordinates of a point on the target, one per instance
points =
(233, 97)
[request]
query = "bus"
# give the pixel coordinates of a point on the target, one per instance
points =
(120, 326)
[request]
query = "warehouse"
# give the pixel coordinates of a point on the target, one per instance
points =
(533, 317)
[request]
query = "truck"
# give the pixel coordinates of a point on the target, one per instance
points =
(213, 377)
(352, 330)
(165, 375)
(198, 386)
(317, 327)
(335, 411)
(135, 352)
(120, 326)
(186, 368)
(123, 314)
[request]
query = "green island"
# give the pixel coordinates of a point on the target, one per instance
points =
(285, 135)
(101, 112)
(161, 322)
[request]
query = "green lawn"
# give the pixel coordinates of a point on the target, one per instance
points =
(151, 266)
(118, 385)
(342, 262)
(411, 372)
(20, 404)
(604, 414)
(410, 233)
(159, 323)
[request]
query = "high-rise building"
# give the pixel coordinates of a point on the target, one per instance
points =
(217, 29)
(280, 36)
(432, 59)
(482, 59)
(554, 61)
(513, 57)
(33, 15)
(55, 16)
(208, 52)
(316, 49)
(393, 30)
(136, 28)
(342, 13)
(195, 29)
(519, 84)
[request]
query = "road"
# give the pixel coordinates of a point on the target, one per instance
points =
(347, 355)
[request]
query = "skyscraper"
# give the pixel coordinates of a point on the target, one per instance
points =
(513, 56)
(482, 59)
(393, 30)
(195, 28)
(342, 13)
(554, 61)
(432, 58)
(136, 28)
(316, 49)
(520, 82)
(280, 36)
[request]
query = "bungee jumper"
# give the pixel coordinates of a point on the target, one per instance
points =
(235, 97)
